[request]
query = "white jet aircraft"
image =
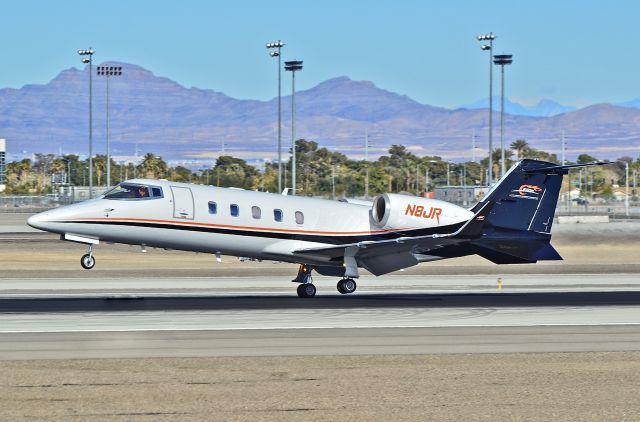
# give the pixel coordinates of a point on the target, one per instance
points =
(511, 224)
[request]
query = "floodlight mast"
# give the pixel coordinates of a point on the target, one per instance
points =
(278, 44)
(502, 60)
(293, 67)
(109, 71)
(489, 47)
(90, 52)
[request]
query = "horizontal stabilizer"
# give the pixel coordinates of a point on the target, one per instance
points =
(565, 168)
(548, 253)
(520, 251)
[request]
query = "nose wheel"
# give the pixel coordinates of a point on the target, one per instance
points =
(88, 261)
(347, 285)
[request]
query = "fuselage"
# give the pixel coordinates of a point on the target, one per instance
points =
(233, 221)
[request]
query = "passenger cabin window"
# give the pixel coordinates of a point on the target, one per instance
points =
(129, 191)
(256, 212)
(235, 210)
(299, 217)
(277, 215)
(213, 207)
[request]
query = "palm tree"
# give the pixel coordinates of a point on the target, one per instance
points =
(153, 166)
(518, 146)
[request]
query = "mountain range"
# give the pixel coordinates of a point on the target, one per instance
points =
(156, 114)
(543, 108)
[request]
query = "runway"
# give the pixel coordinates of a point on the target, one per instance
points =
(243, 317)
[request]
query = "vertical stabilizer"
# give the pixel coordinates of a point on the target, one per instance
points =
(525, 197)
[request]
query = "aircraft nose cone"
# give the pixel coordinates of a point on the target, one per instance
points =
(38, 221)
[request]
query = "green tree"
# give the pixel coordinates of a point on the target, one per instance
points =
(518, 146)
(180, 174)
(234, 172)
(586, 158)
(152, 167)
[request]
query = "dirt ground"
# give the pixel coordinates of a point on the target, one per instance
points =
(36, 256)
(569, 387)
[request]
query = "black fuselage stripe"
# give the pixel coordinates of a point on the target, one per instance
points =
(320, 238)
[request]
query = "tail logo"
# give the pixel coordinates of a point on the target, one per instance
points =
(527, 192)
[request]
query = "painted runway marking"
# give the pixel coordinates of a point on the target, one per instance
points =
(320, 327)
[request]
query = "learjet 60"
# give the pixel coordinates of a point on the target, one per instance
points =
(510, 225)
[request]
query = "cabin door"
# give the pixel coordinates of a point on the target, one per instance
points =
(182, 202)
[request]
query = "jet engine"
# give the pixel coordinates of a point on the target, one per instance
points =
(393, 211)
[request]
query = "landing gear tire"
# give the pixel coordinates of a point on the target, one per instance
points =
(87, 261)
(306, 290)
(346, 286)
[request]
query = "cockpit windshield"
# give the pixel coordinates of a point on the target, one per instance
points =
(133, 191)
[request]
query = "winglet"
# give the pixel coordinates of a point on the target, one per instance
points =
(473, 228)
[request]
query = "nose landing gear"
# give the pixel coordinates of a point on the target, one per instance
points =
(88, 261)
(347, 285)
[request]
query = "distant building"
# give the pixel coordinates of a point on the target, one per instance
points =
(465, 196)
(3, 171)
(621, 193)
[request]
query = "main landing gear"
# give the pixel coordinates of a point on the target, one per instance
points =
(347, 285)
(307, 289)
(88, 261)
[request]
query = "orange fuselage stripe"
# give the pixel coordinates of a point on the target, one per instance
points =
(229, 226)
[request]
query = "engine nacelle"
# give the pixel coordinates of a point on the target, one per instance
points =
(393, 211)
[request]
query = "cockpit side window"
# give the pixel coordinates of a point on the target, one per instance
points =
(129, 191)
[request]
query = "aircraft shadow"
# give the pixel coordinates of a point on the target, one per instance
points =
(234, 302)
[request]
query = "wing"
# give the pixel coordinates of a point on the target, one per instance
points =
(383, 256)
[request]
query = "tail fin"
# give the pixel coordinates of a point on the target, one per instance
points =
(525, 198)
(518, 228)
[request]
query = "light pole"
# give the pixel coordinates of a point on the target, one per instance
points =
(293, 67)
(626, 191)
(426, 175)
(366, 159)
(108, 72)
(473, 146)
(563, 148)
(333, 181)
(502, 60)
(90, 52)
(489, 47)
(278, 44)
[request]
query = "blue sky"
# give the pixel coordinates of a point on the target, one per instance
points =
(576, 52)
